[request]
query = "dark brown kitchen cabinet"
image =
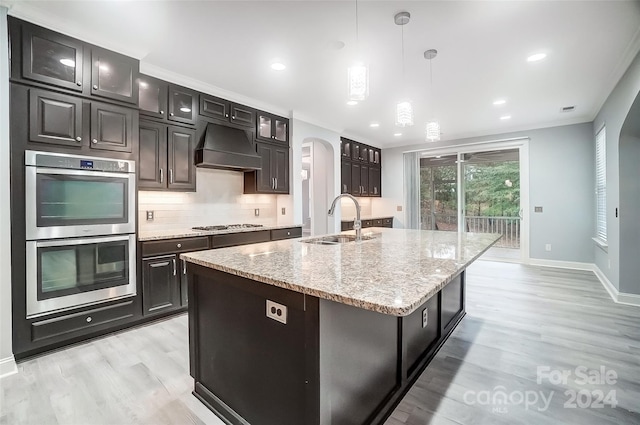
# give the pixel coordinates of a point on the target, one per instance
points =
(345, 148)
(182, 104)
(374, 156)
(272, 128)
(58, 119)
(112, 127)
(227, 111)
(359, 179)
(166, 157)
(153, 97)
(346, 177)
(47, 57)
(274, 175)
(55, 118)
(374, 182)
(160, 284)
(359, 152)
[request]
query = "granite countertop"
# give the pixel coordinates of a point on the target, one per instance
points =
(153, 235)
(380, 217)
(393, 273)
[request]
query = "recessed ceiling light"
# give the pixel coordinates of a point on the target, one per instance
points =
(352, 102)
(499, 102)
(278, 66)
(374, 125)
(505, 117)
(68, 62)
(397, 134)
(184, 109)
(536, 57)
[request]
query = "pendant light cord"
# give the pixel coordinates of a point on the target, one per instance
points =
(402, 32)
(357, 29)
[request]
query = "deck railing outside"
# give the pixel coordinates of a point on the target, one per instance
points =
(509, 227)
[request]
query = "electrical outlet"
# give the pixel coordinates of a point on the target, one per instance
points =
(256, 212)
(284, 211)
(277, 311)
(547, 247)
(425, 317)
(399, 208)
(149, 215)
(537, 209)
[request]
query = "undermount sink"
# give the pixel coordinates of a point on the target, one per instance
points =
(335, 239)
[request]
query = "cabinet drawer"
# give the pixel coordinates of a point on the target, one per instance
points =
(367, 223)
(387, 222)
(81, 322)
(378, 222)
(346, 225)
(291, 232)
(174, 246)
(233, 239)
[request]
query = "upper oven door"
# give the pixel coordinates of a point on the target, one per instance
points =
(73, 203)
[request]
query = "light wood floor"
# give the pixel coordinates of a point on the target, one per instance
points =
(518, 318)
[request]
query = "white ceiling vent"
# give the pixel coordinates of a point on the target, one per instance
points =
(568, 108)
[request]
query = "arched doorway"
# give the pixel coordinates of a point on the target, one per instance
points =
(317, 185)
(629, 214)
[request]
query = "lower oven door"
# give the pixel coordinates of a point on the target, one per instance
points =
(67, 273)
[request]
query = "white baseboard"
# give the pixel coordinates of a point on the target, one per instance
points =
(574, 265)
(8, 367)
(617, 296)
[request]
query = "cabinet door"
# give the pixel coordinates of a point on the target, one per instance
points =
(364, 153)
(280, 169)
(345, 148)
(264, 177)
(281, 130)
(182, 105)
(263, 127)
(214, 107)
(182, 171)
(51, 58)
(184, 285)
(356, 188)
(114, 75)
(374, 181)
(345, 175)
(160, 284)
(55, 118)
(364, 180)
(242, 115)
(152, 96)
(152, 165)
(112, 127)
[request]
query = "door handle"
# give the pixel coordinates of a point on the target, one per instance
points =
(161, 175)
(174, 267)
(170, 175)
(275, 184)
(184, 267)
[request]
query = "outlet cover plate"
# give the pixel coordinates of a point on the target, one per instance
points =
(277, 311)
(425, 317)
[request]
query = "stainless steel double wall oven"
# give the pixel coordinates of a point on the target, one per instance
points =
(80, 230)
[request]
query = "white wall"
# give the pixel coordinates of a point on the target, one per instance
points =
(218, 200)
(560, 180)
(612, 114)
(7, 365)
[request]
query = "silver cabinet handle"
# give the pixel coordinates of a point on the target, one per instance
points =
(170, 114)
(226, 115)
(79, 83)
(89, 319)
(161, 176)
(78, 139)
(95, 141)
(174, 267)
(233, 118)
(344, 188)
(184, 267)
(179, 245)
(288, 233)
(275, 185)
(161, 112)
(95, 87)
(170, 175)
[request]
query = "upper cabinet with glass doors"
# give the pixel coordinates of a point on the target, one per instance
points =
(165, 101)
(272, 128)
(58, 60)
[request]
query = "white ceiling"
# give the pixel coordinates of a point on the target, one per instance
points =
(482, 45)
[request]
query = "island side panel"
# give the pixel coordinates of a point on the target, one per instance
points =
(250, 368)
(359, 361)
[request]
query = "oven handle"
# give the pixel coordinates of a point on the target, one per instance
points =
(40, 170)
(82, 241)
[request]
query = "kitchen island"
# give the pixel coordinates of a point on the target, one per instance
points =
(292, 332)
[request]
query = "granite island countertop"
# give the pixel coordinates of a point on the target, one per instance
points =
(152, 235)
(393, 273)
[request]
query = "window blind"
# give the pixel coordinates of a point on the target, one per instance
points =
(601, 185)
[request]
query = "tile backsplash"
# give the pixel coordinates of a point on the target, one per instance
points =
(348, 208)
(218, 200)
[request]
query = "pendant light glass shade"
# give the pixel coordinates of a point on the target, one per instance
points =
(358, 75)
(433, 131)
(404, 114)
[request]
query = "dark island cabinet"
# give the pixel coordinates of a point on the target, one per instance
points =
(160, 284)
(165, 101)
(166, 157)
(227, 111)
(54, 59)
(274, 175)
(58, 119)
(272, 128)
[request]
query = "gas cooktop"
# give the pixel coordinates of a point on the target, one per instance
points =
(227, 227)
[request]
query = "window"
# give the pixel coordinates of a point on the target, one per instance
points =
(601, 185)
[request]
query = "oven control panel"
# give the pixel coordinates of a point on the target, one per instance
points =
(76, 162)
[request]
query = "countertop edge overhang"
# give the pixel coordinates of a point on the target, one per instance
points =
(156, 235)
(303, 276)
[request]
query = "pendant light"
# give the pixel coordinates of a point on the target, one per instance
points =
(433, 126)
(404, 109)
(358, 74)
